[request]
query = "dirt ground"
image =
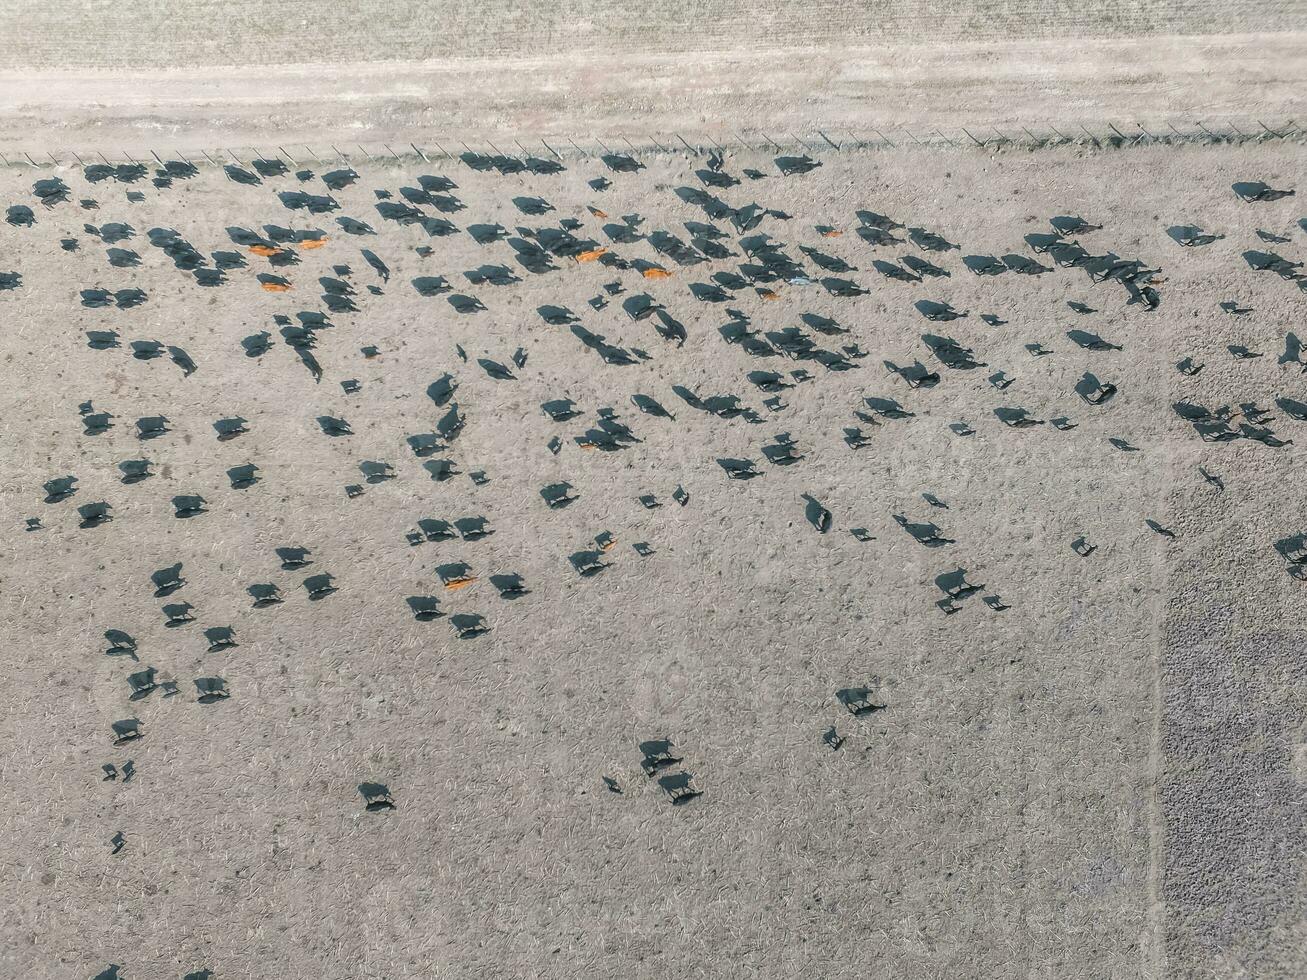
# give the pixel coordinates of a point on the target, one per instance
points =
(768, 92)
(143, 36)
(118, 77)
(1092, 767)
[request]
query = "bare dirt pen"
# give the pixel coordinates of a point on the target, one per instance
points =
(1100, 777)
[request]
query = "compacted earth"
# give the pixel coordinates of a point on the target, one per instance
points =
(886, 564)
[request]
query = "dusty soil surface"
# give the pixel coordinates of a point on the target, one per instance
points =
(130, 77)
(139, 35)
(1090, 766)
(646, 97)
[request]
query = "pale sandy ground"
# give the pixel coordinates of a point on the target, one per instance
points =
(1104, 780)
(764, 92)
(127, 77)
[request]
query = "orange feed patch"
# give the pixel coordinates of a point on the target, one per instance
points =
(264, 250)
(276, 287)
(591, 255)
(656, 274)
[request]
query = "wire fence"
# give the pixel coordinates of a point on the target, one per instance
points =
(1104, 136)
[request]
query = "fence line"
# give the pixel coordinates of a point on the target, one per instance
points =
(1102, 136)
